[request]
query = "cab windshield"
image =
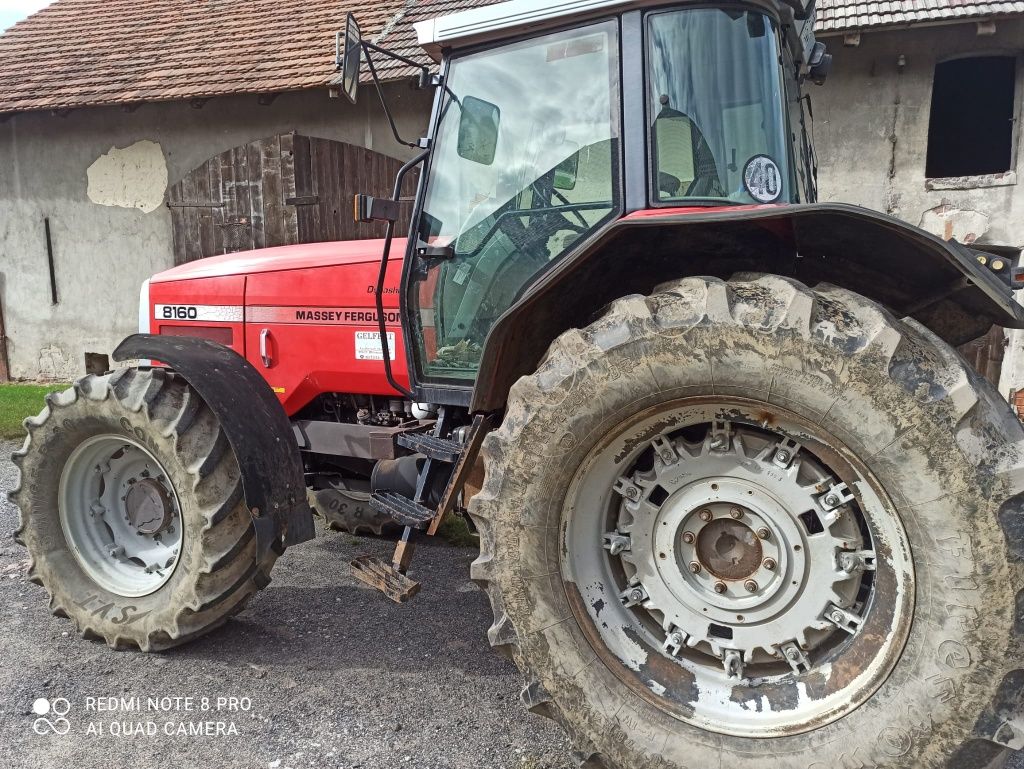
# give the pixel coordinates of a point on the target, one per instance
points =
(525, 158)
(524, 165)
(717, 129)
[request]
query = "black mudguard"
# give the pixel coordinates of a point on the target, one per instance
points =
(910, 271)
(254, 423)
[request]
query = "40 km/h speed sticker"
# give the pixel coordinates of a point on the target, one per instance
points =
(368, 346)
(762, 179)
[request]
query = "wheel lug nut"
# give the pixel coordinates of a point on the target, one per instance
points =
(735, 512)
(720, 587)
(769, 563)
(695, 567)
(705, 515)
(763, 533)
(750, 585)
(688, 537)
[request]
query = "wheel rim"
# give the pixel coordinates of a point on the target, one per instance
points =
(120, 515)
(737, 567)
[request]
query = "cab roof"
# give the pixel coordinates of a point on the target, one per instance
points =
(520, 17)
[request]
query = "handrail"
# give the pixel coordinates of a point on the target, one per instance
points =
(382, 274)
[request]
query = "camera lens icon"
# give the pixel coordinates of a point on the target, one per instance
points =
(56, 709)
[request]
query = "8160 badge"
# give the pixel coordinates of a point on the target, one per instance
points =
(218, 313)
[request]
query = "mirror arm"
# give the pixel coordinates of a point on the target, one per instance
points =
(424, 79)
(368, 46)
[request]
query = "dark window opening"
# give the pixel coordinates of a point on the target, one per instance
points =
(970, 130)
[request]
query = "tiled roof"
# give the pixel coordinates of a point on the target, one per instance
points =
(81, 53)
(848, 15)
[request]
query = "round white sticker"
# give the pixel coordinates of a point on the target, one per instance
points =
(762, 179)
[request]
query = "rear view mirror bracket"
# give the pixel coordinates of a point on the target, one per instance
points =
(351, 49)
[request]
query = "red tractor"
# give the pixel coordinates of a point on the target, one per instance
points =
(740, 502)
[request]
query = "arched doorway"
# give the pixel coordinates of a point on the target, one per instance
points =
(278, 191)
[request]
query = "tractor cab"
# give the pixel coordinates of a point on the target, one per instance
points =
(544, 134)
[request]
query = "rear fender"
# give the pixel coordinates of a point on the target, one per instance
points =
(909, 271)
(253, 422)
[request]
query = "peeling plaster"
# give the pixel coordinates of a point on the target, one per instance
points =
(949, 223)
(54, 363)
(132, 177)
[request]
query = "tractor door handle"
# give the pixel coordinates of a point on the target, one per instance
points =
(265, 348)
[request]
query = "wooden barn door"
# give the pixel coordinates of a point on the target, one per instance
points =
(278, 191)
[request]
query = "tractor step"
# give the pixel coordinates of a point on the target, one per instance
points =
(383, 576)
(401, 509)
(431, 446)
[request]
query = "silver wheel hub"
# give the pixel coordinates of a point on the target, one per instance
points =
(721, 566)
(725, 563)
(120, 515)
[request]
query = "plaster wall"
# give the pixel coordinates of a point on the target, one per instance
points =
(101, 175)
(871, 137)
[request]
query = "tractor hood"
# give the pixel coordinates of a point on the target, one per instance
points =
(304, 316)
(297, 257)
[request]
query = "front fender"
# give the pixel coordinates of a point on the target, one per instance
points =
(254, 424)
(909, 271)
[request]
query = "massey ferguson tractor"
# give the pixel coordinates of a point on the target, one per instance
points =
(740, 503)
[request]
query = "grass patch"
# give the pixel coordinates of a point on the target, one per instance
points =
(455, 530)
(18, 401)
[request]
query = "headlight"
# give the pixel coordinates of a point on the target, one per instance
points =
(145, 316)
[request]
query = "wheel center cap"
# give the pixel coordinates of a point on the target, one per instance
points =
(729, 549)
(148, 507)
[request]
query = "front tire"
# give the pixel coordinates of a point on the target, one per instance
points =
(132, 511)
(635, 422)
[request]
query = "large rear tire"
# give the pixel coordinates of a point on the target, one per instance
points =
(132, 511)
(754, 525)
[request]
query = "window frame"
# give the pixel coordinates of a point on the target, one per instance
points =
(1007, 178)
(429, 385)
(650, 163)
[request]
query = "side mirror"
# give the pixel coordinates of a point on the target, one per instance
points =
(429, 227)
(566, 172)
(819, 63)
(350, 58)
(478, 130)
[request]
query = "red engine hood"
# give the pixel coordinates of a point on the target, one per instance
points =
(299, 257)
(304, 316)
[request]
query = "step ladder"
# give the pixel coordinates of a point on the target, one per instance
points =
(445, 458)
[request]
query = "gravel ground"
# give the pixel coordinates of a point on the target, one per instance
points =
(337, 676)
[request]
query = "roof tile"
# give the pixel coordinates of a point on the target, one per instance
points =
(82, 53)
(849, 15)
